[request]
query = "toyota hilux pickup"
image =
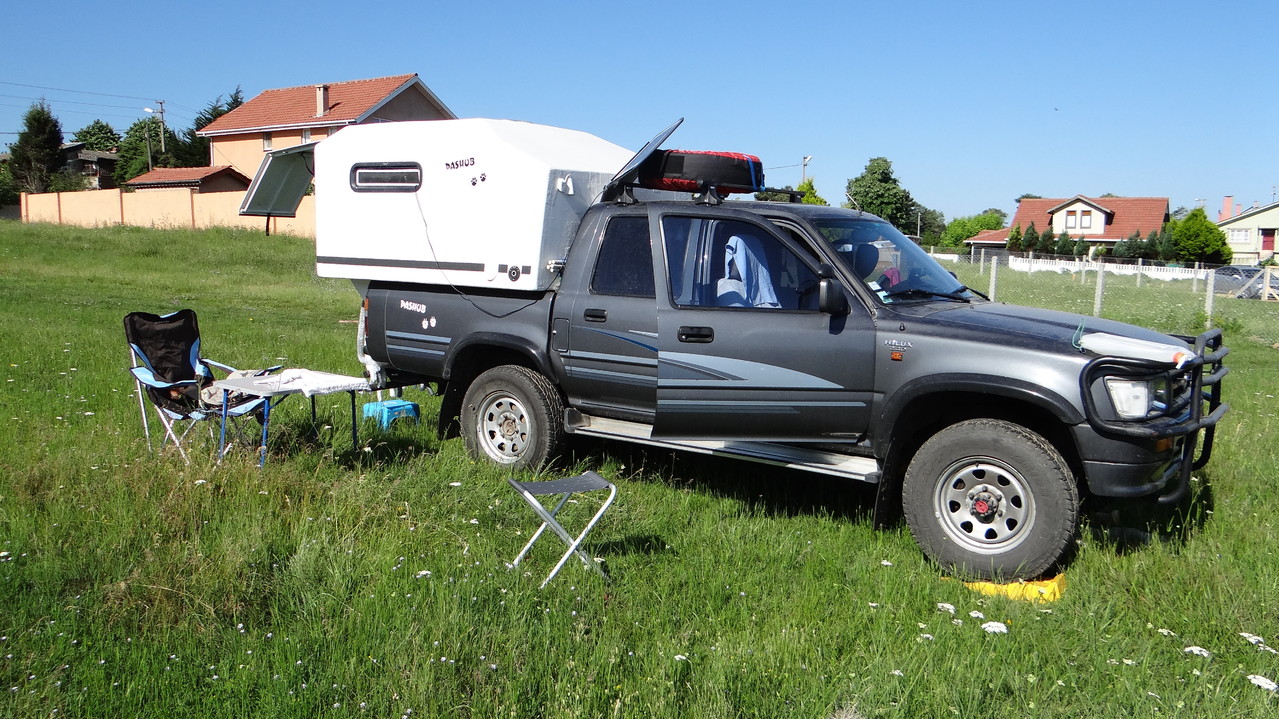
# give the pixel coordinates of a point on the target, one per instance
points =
(548, 294)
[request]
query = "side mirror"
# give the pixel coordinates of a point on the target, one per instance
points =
(830, 297)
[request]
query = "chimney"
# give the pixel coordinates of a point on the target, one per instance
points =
(321, 100)
(1227, 203)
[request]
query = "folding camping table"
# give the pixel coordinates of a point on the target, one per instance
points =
(276, 387)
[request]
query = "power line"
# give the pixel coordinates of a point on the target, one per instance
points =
(51, 100)
(81, 92)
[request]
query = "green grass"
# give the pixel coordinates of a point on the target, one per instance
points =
(337, 583)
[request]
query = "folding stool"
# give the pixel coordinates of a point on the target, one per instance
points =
(586, 482)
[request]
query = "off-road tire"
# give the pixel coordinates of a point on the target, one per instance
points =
(990, 499)
(514, 416)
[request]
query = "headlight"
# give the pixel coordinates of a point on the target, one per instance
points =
(1131, 397)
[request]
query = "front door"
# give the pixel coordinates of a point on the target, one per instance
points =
(743, 352)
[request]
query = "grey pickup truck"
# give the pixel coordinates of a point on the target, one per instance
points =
(815, 338)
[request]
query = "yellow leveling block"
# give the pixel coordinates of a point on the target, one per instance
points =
(1044, 590)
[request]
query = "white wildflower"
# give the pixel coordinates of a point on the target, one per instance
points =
(1198, 651)
(976, 614)
(886, 563)
(1252, 638)
(944, 607)
(681, 658)
(1263, 682)
(897, 673)
(995, 627)
(1167, 632)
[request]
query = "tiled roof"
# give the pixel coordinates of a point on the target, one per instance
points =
(1129, 214)
(989, 237)
(183, 176)
(295, 106)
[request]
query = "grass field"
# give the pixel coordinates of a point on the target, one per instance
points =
(340, 583)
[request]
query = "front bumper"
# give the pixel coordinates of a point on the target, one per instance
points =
(1190, 423)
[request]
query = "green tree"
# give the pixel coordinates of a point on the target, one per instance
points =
(1080, 249)
(781, 195)
(810, 193)
(1003, 216)
(1198, 239)
(878, 192)
(1028, 196)
(1064, 245)
(37, 154)
(1030, 241)
(930, 223)
(192, 150)
(1014, 239)
(98, 136)
(1047, 243)
(140, 150)
(8, 186)
(962, 228)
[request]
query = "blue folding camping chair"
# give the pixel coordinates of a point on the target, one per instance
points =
(170, 374)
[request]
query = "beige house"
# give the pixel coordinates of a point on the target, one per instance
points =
(290, 116)
(1250, 233)
(1099, 221)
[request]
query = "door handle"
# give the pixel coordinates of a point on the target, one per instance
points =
(696, 334)
(595, 315)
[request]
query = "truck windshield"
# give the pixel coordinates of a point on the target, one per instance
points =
(890, 264)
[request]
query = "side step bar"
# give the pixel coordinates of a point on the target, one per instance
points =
(864, 469)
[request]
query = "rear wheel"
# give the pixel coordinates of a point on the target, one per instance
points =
(514, 416)
(991, 499)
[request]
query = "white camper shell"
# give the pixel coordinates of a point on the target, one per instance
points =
(469, 203)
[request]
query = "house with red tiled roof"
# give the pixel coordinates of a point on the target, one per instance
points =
(200, 179)
(1099, 221)
(290, 116)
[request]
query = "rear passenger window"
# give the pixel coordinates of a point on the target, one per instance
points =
(624, 266)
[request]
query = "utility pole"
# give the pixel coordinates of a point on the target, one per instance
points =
(160, 113)
(803, 172)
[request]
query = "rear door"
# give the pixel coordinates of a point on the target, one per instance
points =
(743, 352)
(607, 335)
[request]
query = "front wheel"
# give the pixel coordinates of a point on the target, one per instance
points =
(514, 416)
(991, 499)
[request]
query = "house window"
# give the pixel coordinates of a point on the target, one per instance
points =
(1238, 236)
(306, 135)
(266, 142)
(1070, 219)
(386, 177)
(1085, 219)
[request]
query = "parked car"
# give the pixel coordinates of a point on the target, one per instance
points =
(1243, 281)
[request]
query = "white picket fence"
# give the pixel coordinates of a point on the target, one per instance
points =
(1023, 264)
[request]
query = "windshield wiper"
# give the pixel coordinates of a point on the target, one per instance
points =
(917, 292)
(979, 293)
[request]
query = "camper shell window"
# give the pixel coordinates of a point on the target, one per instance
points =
(386, 177)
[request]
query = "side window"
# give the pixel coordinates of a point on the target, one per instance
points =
(728, 263)
(624, 266)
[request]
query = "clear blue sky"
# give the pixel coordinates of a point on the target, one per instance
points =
(974, 103)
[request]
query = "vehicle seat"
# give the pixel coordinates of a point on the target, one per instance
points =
(747, 281)
(865, 258)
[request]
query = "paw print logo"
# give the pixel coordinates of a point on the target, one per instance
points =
(483, 177)
(474, 182)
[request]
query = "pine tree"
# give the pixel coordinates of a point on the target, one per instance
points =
(1030, 240)
(37, 155)
(1014, 239)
